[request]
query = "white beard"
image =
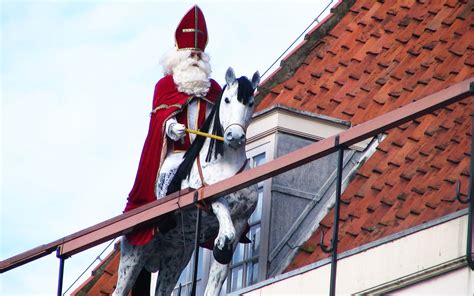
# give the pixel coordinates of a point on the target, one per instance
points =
(190, 76)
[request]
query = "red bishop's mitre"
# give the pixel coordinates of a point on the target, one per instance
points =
(191, 32)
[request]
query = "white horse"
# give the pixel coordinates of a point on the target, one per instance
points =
(206, 162)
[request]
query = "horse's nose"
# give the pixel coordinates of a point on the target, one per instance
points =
(234, 138)
(231, 137)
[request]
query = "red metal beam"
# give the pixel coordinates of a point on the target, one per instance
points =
(148, 214)
(29, 256)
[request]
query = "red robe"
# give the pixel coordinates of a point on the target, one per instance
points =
(167, 103)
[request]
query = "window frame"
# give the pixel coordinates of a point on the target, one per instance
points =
(265, 146)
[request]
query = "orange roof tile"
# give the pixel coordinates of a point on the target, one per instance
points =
(103, 278)
(380, 56)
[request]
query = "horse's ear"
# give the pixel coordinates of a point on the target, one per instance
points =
(255, 80)
(229, 76)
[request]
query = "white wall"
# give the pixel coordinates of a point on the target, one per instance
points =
(457, 282)
(409, 260)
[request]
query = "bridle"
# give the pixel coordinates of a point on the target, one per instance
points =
(198, 159)
(237, 124)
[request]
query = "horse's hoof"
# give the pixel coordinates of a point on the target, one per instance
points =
(166, 223)
(223, 256)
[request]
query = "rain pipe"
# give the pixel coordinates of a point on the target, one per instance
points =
(470, 222)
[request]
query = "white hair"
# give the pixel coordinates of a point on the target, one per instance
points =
(190, 76)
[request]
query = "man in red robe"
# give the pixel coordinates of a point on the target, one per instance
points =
(182, 99)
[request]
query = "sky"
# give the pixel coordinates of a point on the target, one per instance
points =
(76, 86)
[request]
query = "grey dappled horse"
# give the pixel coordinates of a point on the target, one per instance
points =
(170, 252)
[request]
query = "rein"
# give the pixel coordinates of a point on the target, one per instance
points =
(219, 138)
(211, 129)
(203, 205)
(201, 175)
(198, 160)
(203, 134)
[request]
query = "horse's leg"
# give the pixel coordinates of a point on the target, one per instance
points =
(218, 272)
(131, 264)
(223, 243)
(172, 264)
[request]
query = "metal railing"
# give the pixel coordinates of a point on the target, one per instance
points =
(148, 214)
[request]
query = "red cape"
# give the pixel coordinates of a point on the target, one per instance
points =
(167, 102)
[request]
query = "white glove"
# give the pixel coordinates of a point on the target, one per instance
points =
(176, 131)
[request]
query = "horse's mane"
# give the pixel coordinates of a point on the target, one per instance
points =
(244, 93)
(191, 154)
(245, 90)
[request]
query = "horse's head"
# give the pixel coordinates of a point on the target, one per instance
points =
(236, 107)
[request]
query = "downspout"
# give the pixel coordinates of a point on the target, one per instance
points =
(196, 247)
(335, 229)
(61, 272)
(470, 195)
(470, 222)
(340, 157)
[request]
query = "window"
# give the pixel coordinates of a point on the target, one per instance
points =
(185, 279)
(244, 266)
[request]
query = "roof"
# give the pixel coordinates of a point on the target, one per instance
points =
(362, 61)
(380, 56)
(104, 277)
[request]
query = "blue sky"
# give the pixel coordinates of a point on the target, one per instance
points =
(77, 81)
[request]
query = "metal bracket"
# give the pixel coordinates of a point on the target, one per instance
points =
(338, 145)
(196, 196)
(323, 247)
(336, 141)
(458, 193)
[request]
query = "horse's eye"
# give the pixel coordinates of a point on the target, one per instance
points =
(251, 104)
(227, 100)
